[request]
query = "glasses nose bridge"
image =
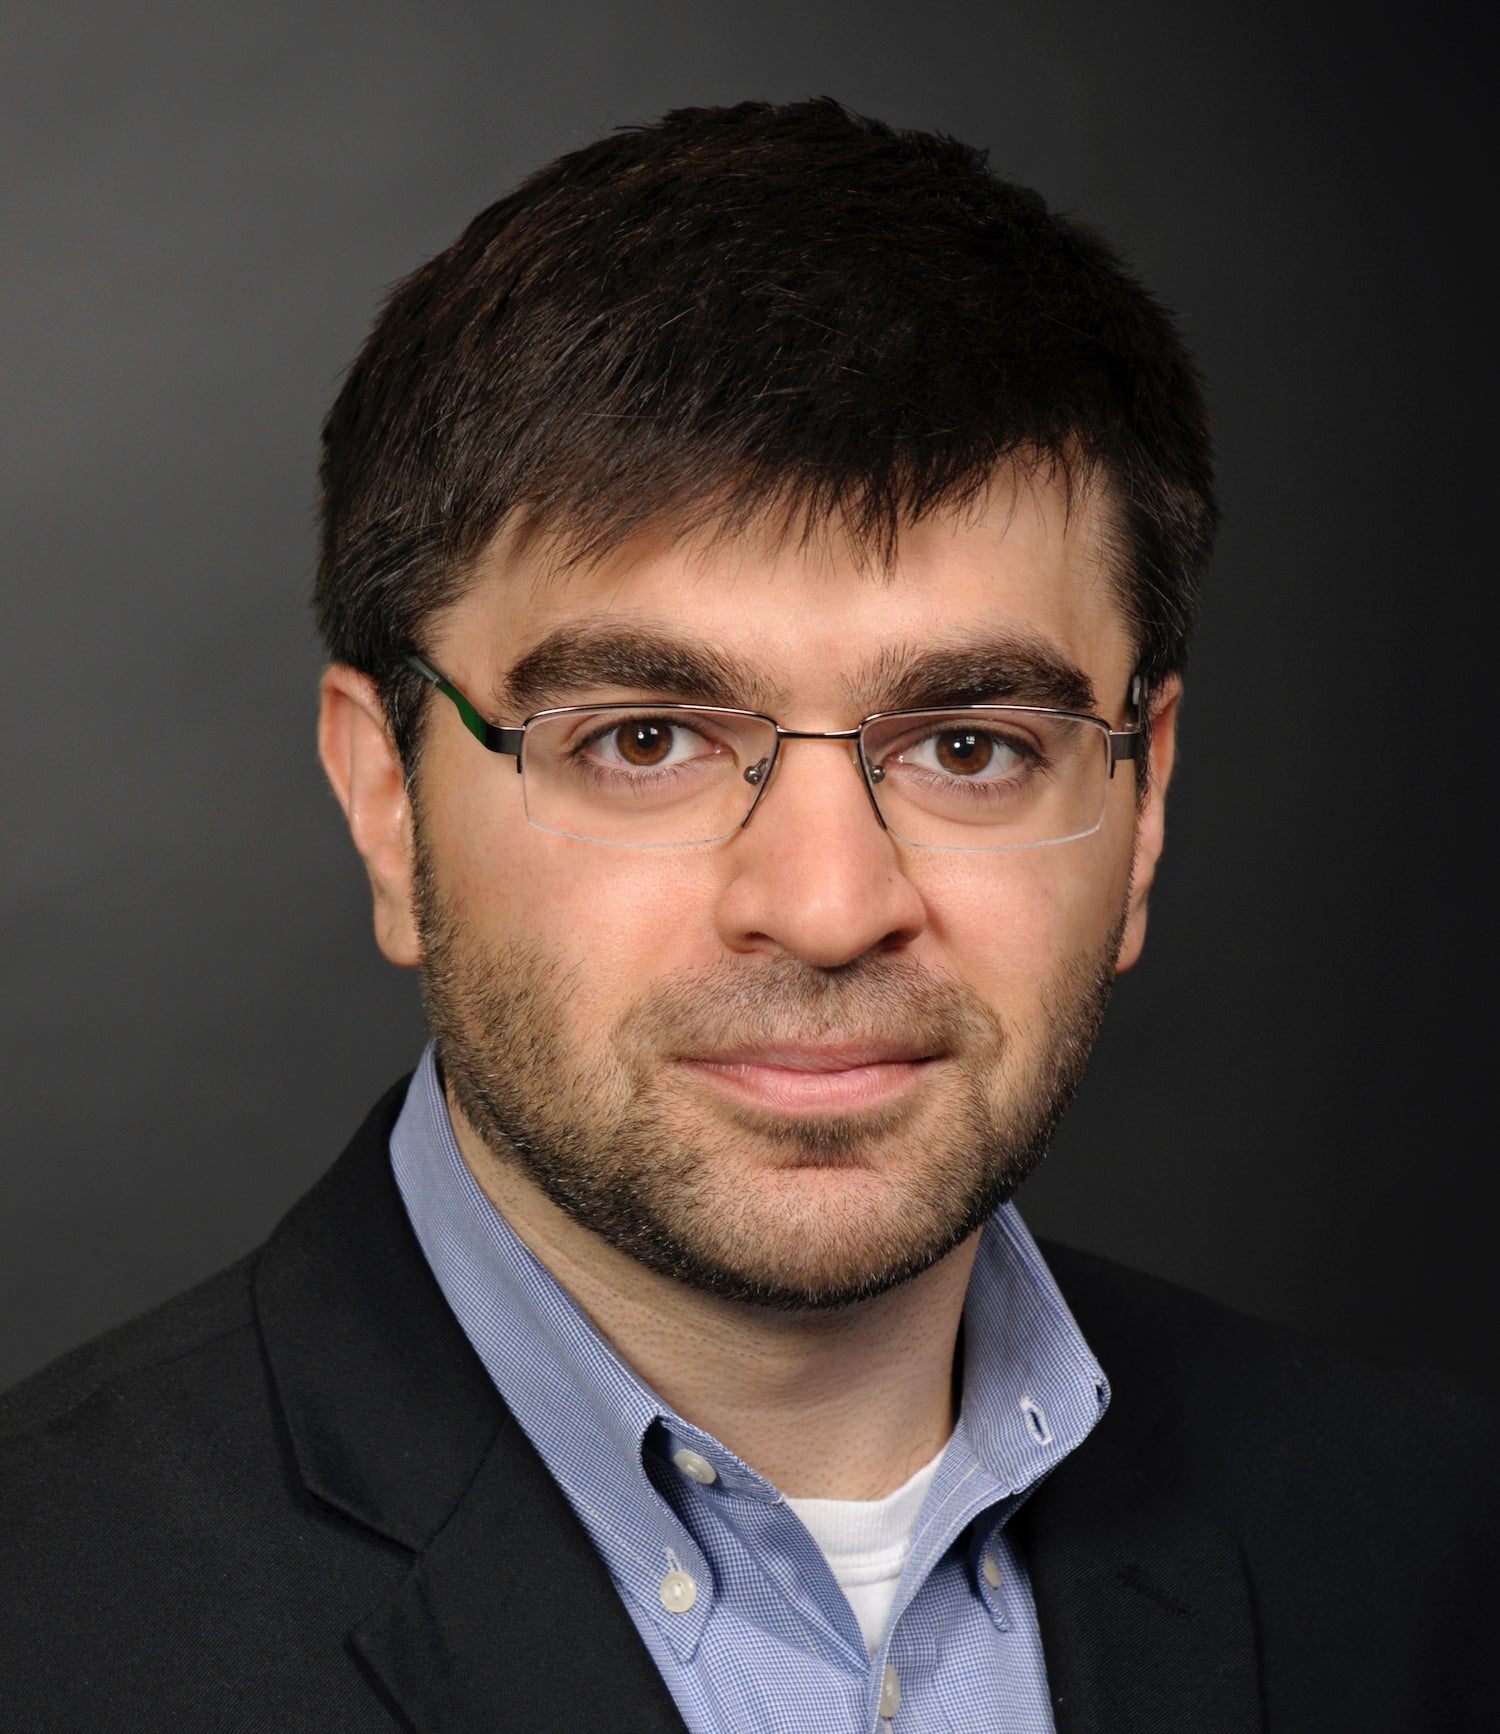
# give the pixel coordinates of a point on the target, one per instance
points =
(853, 738)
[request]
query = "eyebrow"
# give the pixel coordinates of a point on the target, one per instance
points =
(577, 661)
(1016, 669)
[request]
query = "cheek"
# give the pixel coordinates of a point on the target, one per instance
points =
(608, 920)
(1008, 925)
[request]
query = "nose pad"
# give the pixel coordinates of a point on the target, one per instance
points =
(758, 776)
(867, 783)
(870, 777)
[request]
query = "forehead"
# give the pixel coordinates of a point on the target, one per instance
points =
(1023, 575)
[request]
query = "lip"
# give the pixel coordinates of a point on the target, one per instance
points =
(811, 1077)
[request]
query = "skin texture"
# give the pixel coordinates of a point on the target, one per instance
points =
(653, 1057)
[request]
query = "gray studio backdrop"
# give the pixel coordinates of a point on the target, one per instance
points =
(200, 208)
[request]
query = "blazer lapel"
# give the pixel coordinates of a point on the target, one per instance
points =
(507, 1616)
(509, 1619)
(1144, 1607)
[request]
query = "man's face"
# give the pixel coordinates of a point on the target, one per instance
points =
(799, 1065)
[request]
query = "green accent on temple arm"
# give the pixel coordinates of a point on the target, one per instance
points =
(473, 722)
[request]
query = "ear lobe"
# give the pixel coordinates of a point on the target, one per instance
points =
(367, 776)
(1151, 822)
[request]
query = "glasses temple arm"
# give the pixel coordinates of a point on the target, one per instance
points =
(1129, 743)
(497, 740)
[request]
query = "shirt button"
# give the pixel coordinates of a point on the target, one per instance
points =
(890, 1693)
(678, 1592)
(696, 1468)
(991, 1569)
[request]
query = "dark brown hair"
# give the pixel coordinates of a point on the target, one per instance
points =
(790, 314)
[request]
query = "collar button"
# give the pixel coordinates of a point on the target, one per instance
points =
(696, 1468)
(678, 1592)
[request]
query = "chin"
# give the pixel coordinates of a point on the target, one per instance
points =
(809, 1235)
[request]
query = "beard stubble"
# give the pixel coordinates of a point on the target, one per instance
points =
(711, 1193)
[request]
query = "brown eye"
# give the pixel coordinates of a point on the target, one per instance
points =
(964, 752)
(643, 743)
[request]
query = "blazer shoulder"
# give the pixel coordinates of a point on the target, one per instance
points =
(1210, 1371)
(1327, 1522)
(187, 1324)
(213, 1309)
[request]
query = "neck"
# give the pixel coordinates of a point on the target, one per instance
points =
(840, 1404)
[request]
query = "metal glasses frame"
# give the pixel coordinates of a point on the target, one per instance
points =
(1121, 744)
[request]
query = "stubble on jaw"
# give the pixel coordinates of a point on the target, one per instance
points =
(714, 1194)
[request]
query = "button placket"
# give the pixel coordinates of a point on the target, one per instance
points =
(991, 1580)
(890, 1694)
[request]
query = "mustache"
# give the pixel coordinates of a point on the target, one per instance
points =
(783, 1000)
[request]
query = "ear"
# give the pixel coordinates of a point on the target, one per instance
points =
(1151, 823)
(367, 776)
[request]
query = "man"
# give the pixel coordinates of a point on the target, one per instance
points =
(757, 570)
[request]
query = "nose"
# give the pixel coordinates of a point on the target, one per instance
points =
(814, 873)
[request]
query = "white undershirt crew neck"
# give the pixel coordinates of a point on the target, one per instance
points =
(866, 1543)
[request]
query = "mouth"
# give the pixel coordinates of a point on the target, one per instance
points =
(809, 1078)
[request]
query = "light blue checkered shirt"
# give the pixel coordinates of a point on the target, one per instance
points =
(769, 1645)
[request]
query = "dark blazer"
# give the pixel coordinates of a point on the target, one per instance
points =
(291, 1500)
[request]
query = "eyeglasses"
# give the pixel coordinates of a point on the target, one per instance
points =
(663, 775)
